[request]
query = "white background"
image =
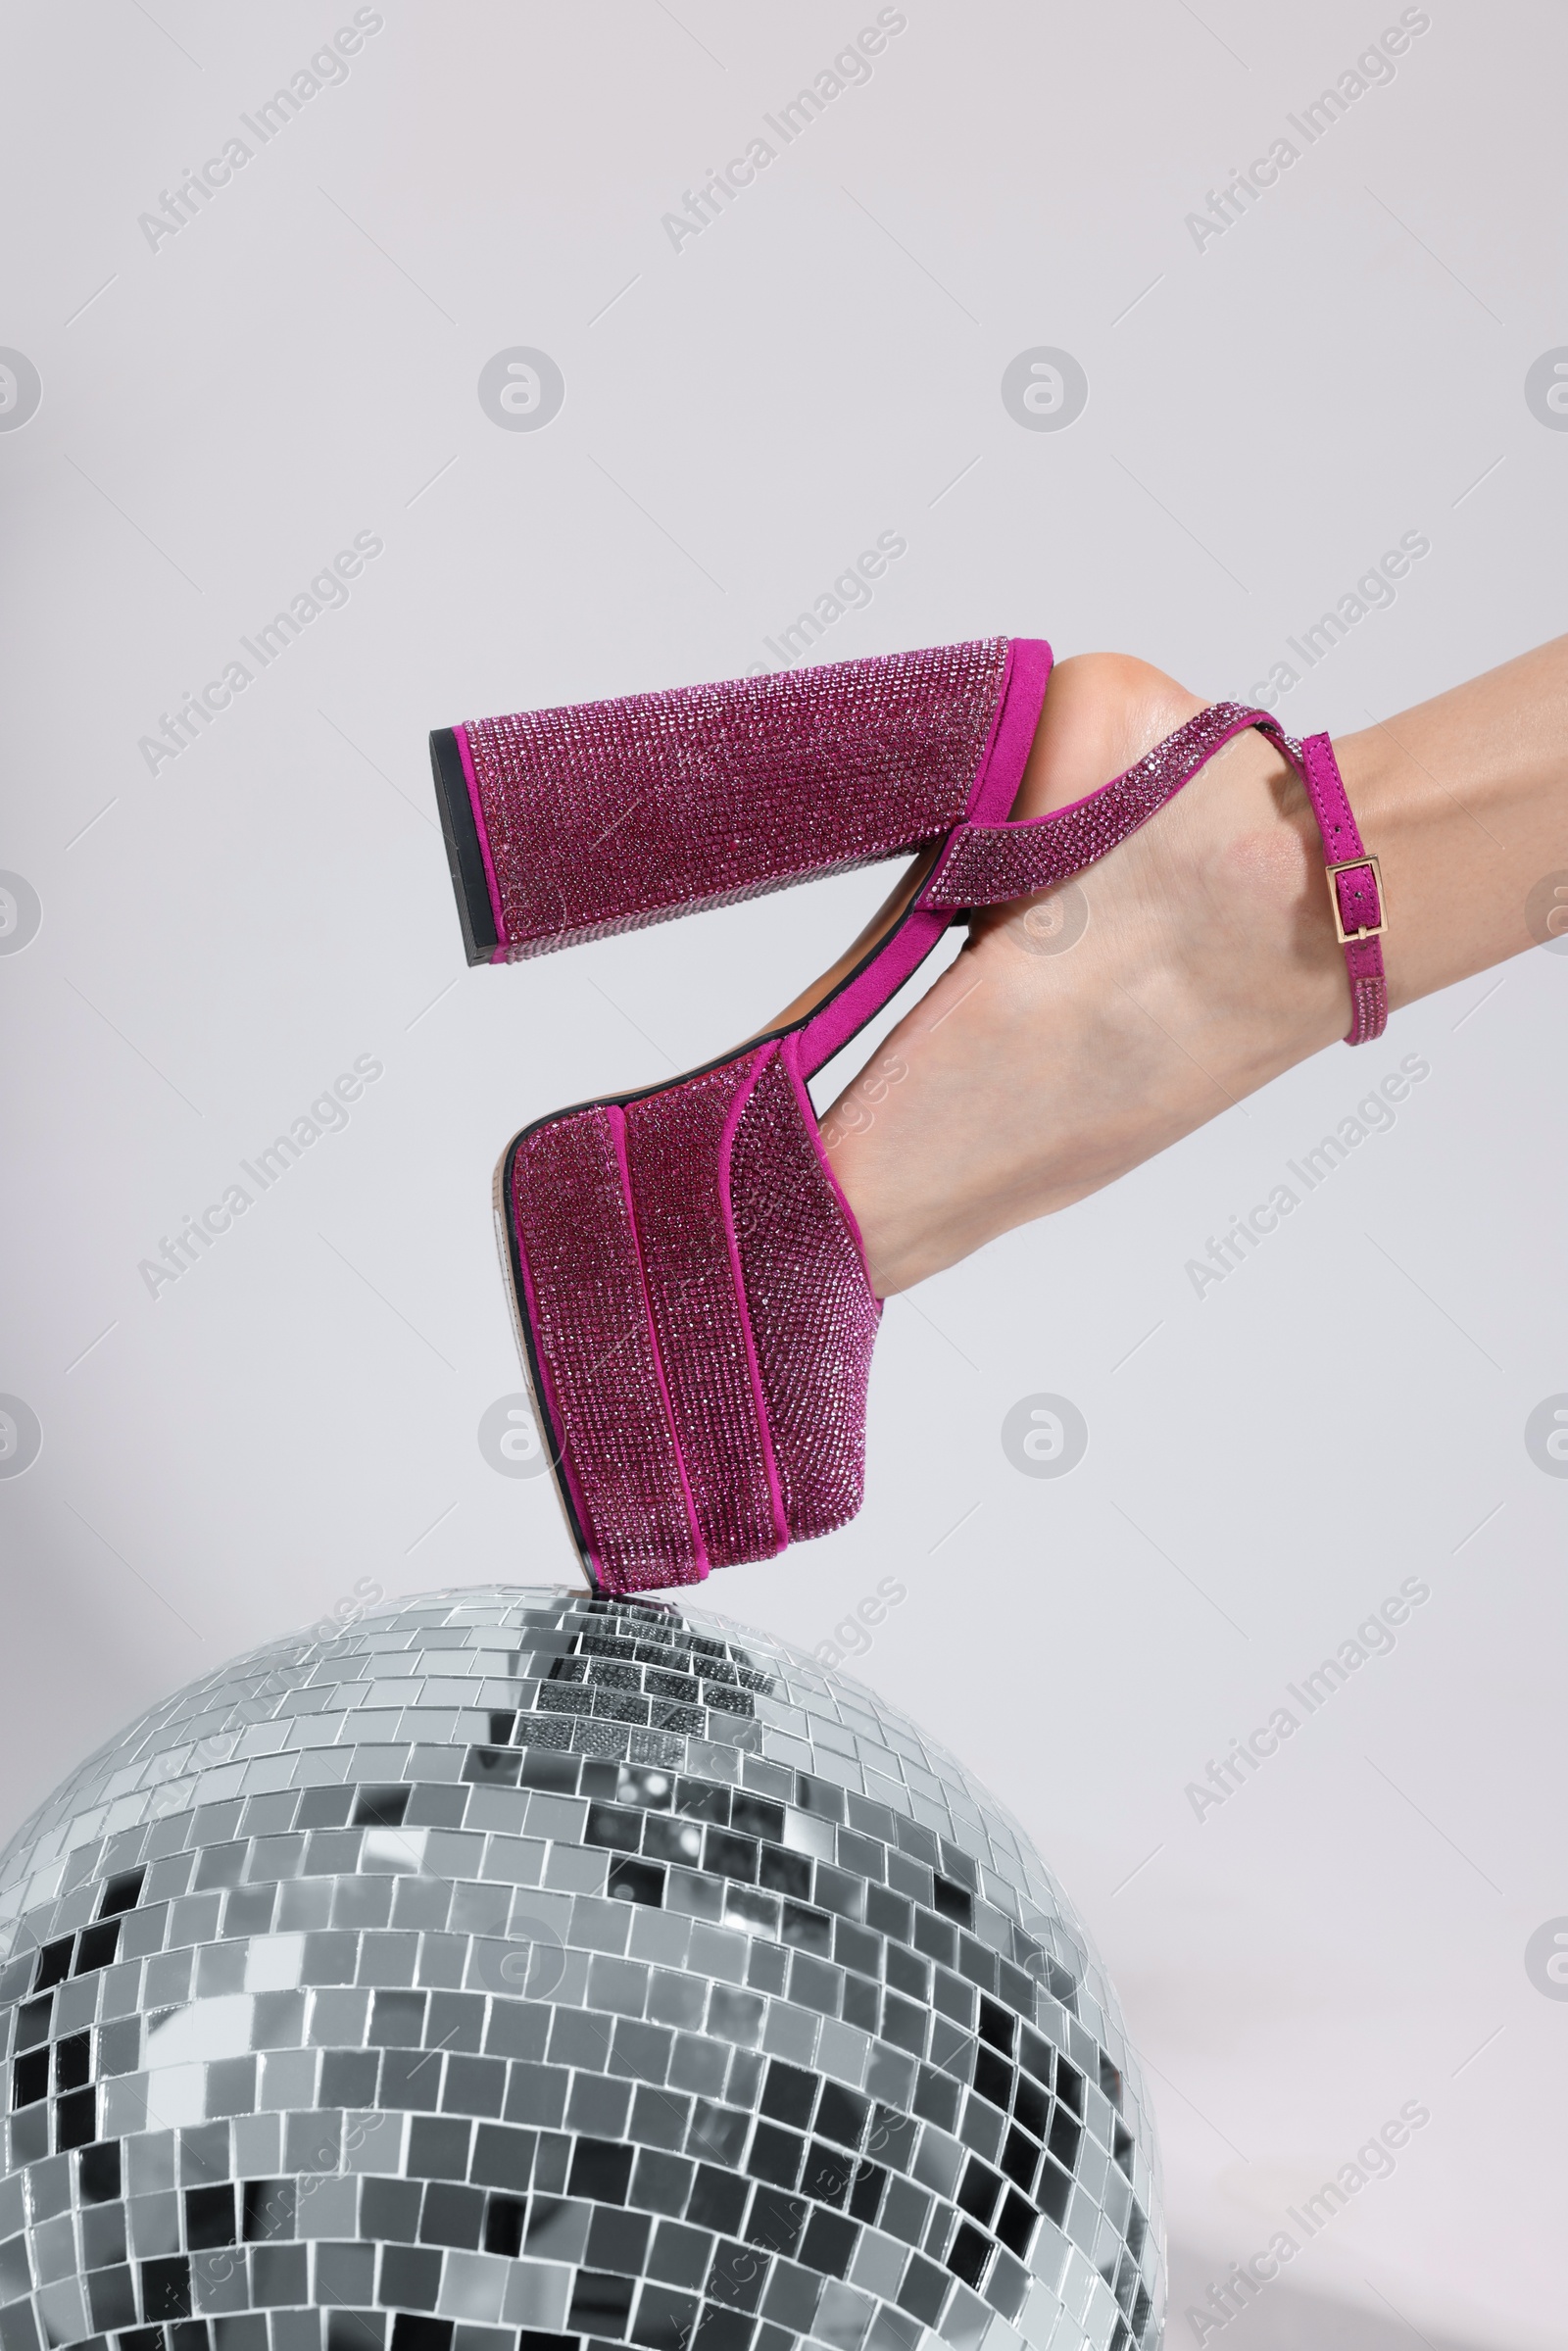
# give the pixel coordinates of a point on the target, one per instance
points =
(220, 940)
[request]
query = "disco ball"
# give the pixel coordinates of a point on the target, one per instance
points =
(515, 1971)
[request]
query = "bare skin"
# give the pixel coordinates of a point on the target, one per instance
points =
(1028, 1078)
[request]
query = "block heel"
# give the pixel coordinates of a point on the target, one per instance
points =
(568, 824)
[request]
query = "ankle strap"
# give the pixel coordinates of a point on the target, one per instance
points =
(1356, 889)
(985, 865)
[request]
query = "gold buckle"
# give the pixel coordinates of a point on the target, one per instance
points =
(1373, 930)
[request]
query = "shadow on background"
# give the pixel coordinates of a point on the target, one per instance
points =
(1285, 2318)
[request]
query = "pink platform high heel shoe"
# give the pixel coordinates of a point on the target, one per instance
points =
(689, 1284)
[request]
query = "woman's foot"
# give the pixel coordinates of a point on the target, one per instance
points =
(1083, 1030)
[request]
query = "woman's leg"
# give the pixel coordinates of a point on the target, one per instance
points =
(1036, 1071)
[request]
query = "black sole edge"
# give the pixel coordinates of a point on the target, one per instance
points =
(464, 858)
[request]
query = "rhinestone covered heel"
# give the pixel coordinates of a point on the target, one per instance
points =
(568, 824)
